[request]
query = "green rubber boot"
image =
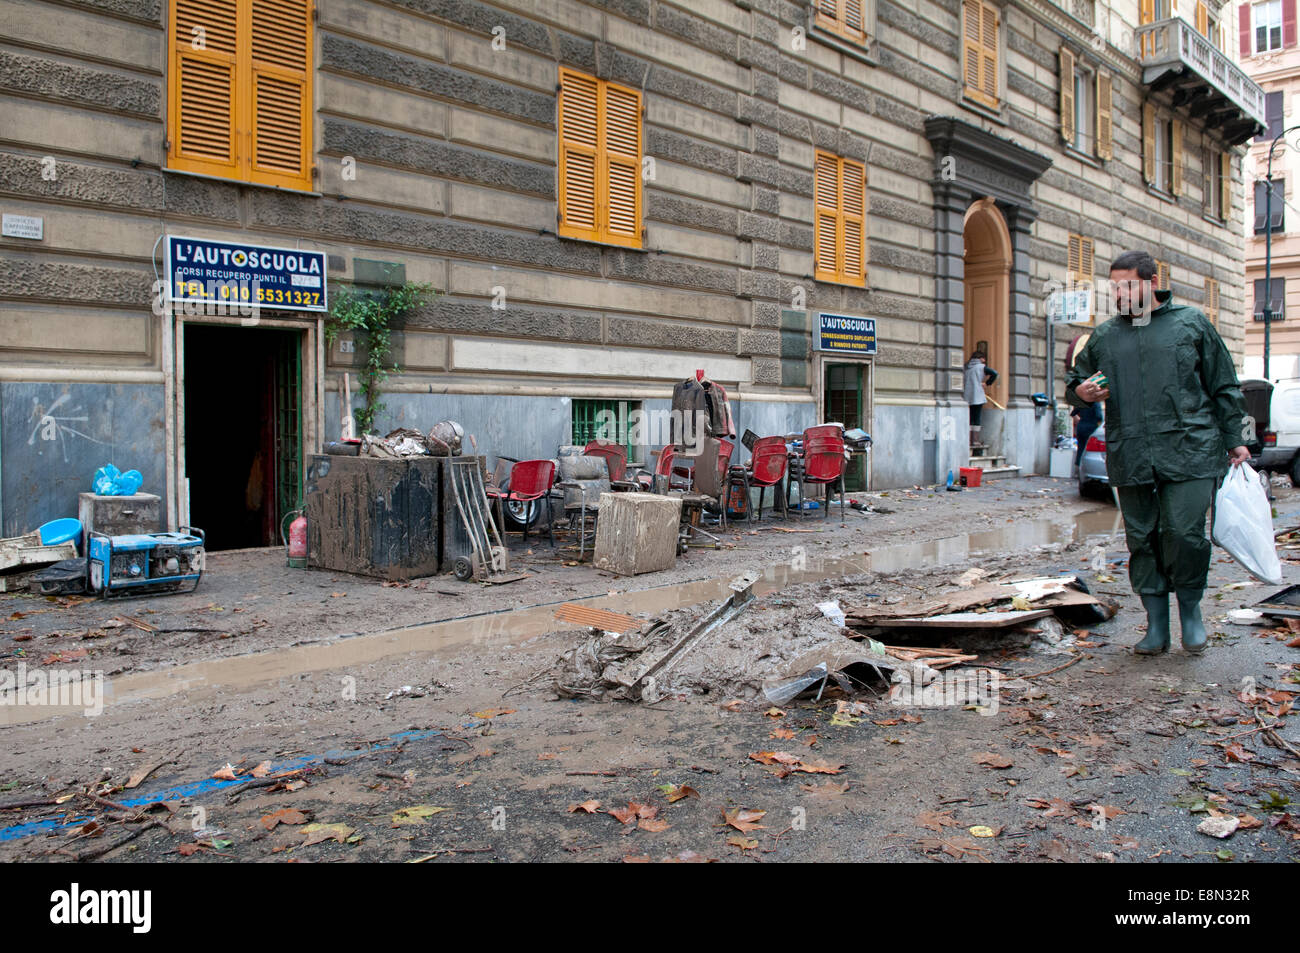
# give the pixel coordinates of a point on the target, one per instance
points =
(1189, 617)
(1157, 637)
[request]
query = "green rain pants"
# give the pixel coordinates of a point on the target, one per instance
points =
(1165, 526)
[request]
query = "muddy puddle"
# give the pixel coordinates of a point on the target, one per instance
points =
(513, 626)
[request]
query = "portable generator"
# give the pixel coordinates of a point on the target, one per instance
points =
(142, 563)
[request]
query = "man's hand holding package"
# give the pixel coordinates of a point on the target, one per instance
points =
(1089, 391)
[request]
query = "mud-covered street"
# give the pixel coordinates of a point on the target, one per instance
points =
(280, 714)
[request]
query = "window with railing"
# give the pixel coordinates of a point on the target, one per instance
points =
(1277, 296)
(1267, 210)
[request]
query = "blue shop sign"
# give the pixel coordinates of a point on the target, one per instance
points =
(844, 334)
(211, 272)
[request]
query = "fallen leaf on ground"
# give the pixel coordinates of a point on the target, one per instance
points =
(936, 820)
(284, 816)
(493, 712)
(744, 843)
(586, 807)
(782, 733)
(743, 819)
(652, 825)
(826, 788)
(226, 774)
(1239, 753)
(676, 792)
(415, 815)
(993, 759)
(774, 713)
(318, 833)
(262, 770)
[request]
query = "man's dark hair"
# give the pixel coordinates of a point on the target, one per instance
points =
(1139, 260)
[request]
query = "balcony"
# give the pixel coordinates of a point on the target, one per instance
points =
(1215, 90)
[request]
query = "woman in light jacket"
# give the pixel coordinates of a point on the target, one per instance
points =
(978, 376)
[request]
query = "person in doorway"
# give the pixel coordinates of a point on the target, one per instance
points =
(978, 376)
(1173, 424)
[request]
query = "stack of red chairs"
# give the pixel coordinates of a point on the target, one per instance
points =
(767, 467)
(823, 462)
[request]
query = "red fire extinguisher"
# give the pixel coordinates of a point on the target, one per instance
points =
(298, 541)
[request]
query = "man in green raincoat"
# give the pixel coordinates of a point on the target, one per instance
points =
(1174, 421)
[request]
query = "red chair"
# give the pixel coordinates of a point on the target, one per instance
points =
(670, 465)
(529, 480)
(767, 467)
(823, 465)
(615, 456)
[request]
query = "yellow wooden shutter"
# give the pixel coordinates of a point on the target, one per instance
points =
(1202, 19)
(826, 210)
(280, 47)
(989, 53)
(1086, 260)
(828, 15)
(1147, 14)
(1067, 95)
(240, 90)
(1148, 143)
(1212, 300)
(853, 198)
(622, 146)
(1225, 185)
(1074, 256)
(579, 155)
(1105, 120)
(203, 65)
(1176, 185)
(1162, 274)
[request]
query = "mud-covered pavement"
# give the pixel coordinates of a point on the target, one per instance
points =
(444, 742)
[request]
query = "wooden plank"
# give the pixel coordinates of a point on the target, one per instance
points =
(599, 618)
(965, 620)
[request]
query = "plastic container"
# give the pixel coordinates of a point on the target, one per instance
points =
(60, 531)
(971, 475)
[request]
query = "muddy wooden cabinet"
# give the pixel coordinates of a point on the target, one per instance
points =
(118, 515)
(375, 517)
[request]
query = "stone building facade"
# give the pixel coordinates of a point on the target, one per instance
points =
(934, 166)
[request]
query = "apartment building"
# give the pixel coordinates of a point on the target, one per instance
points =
(824, 208)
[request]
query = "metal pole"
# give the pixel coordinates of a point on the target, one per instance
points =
(1268, 246)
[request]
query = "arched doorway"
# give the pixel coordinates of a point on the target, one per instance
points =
(987, 262)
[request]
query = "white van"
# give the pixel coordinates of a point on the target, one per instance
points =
(1277, 446)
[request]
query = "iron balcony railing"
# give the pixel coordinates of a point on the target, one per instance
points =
(1175, 45)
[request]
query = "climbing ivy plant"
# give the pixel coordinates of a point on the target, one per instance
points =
(370, 313)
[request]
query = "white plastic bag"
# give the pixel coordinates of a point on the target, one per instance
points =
(1243, 524)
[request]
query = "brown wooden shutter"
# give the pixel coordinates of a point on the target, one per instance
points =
(1148, 143)
(1202, 19)
(281, 93)
(202, 110)
(1176, 184)
(622, 115)
(826, 210)
(1225, 185)
(851, 24)
(853, 198)
(971, 33)
(1288, 24)
(1105, 117)
(1147, 14)
(1212, 300)
(579, 155)
(1066, 59)
(1074, 256)
(828, 15)
(989, 53)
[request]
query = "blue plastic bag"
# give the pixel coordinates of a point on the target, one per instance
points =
(110, 481)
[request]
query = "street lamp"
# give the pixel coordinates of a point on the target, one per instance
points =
(1268, 245)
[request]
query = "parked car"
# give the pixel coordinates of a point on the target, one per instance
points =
(1092, 465)
(1276, 410)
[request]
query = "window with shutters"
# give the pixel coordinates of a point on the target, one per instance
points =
(600, 160)
(1266, 22)
(1212, 300)
(1202, 18)
(1162, 147)
(840, 232)
(1152, 11)
(1275, 114)
(1085, 113)
(1277, 299)
(981, 35)
(852, 20)
(1211, 182)
(1079, 265)
(1266, 206)
(239, 92)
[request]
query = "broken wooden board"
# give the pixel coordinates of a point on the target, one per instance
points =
(1043, 593)
(965, 620)
(596, 618)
